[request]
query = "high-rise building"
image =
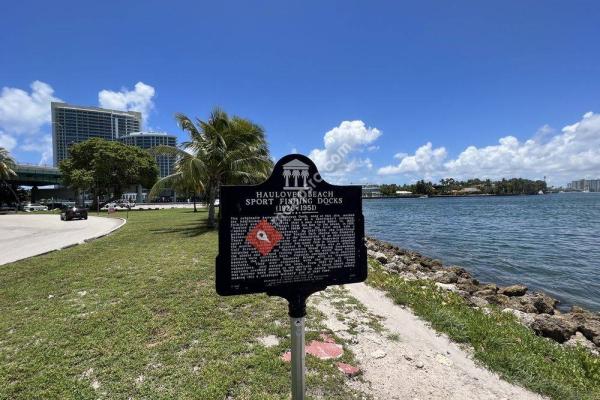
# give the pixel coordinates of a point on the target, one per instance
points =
(73, 124)
(590, 185)
(147, 140)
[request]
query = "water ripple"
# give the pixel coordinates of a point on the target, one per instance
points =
(550, 243)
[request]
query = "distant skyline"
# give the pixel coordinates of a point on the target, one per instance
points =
(414, 90)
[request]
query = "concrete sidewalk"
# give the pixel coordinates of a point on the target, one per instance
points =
(26, 235)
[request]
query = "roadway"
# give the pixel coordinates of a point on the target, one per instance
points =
(27, 235)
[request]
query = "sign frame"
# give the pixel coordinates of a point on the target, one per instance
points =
(230, 203)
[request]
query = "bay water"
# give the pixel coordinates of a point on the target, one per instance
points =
(548, 242)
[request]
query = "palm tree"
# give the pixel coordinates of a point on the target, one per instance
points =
(7, 170)
(7, 164)
(222, 150)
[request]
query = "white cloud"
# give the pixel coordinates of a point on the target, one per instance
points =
(335, 159)
(42, 146)
(573, 153)
(26, 113)
(426, 162)
(7, 141)
(139, 99)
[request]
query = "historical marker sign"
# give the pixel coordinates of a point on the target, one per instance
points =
(294, 233)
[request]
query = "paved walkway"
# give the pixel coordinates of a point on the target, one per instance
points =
(26, 235)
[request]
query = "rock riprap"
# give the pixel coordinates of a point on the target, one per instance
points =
(535, 310)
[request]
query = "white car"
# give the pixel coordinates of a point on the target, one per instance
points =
(34, 207)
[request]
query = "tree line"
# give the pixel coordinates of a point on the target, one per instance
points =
(451, 186)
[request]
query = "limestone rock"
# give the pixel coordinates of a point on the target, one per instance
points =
(544, 304)
(523, 317)
(447, 286)
(379, 256)
(484, 293)
(490, 286)
(513, 290)
(523, 304)
(579, 339)
(591, 330)
(498, 299)
(554, 326)
(467, 285)
(445, 277)
(479, 302)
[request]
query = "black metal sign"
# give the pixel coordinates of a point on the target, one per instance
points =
(292, 235)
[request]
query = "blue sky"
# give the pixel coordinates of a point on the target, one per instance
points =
(406, 87)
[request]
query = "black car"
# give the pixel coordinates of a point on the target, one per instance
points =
(70, 212)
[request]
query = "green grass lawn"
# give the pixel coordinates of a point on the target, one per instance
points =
(498, 340)
(135, 315)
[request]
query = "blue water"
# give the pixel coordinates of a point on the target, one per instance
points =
(549, 243)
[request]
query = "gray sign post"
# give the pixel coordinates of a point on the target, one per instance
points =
(298, 355)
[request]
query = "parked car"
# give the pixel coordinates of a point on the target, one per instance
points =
(34, 207)
(71, 212)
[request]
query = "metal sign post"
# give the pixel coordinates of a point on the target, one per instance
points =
(290, 236)
(298, 355)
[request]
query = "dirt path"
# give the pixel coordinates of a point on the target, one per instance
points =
(401, 357)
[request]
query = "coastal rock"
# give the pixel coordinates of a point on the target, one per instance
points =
(484, 293)
(513, 290)
(445, 277)
(554, 326)
(430, 263)
(468, 280)
(523, 317)
(408, 276)
(382, 258)
(478, 302)
(459, 271)
(587, 323)
(490, 286)
(422, 275)
(544, 304)
(371, 245)
(498, 299)
(523, 304)
(468, 285)
(578, 339)
(591, 330)
(447, 286)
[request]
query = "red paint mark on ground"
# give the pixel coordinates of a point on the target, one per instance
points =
(348, 370)
(324, 351)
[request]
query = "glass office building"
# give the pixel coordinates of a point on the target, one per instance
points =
(147, 140)
(73, 124)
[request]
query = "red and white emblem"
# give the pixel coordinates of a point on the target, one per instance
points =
(264, 237)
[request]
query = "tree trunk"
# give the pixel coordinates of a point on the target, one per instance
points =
(14, 194)
(194, 200)
(211, 208)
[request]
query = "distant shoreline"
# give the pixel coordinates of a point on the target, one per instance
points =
(418, 196)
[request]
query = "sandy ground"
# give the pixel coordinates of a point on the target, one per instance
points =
(401, 357)
(26, 235)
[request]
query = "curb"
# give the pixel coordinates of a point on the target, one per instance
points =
(124, 221)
